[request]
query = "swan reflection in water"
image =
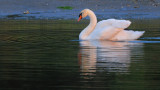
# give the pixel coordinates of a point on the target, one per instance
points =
(107, 56)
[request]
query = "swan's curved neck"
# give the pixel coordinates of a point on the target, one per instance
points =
(87, 31)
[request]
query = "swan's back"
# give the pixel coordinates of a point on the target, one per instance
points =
(113, 23)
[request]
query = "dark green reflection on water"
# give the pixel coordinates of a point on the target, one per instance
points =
(42, 54)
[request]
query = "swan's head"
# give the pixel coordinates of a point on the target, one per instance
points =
(83, 14)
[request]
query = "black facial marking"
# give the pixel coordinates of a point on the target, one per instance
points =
(80, 14)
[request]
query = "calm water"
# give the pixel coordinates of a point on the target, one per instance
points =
(46, 54)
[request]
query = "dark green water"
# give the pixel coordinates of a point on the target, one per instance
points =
(46, 54)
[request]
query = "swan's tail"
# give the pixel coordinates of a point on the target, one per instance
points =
(129, 35)
(136, 34)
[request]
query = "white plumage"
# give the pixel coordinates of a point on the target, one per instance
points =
(110, 29)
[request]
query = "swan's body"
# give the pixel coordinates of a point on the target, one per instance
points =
(110, 29)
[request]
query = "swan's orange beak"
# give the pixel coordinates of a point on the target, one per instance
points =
(80, 17)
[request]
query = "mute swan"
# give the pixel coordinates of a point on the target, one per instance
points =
(110, 29)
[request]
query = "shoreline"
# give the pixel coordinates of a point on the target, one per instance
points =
(118, 9)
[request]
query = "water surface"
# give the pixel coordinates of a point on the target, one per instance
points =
(46, 54)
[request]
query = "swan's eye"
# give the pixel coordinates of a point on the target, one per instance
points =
(80, 14)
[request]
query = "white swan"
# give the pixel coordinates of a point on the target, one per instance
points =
(110, 29)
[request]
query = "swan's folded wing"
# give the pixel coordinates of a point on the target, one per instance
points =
(128, 35)
(113, 23)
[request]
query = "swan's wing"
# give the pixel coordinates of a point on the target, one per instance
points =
(113, 23)
(108, 29)
(128, 35)
(113, 29)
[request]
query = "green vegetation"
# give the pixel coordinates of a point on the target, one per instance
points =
(65, 7)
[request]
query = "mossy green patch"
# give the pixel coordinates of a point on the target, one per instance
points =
(65, 7)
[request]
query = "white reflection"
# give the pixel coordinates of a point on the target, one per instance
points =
(109, 56)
